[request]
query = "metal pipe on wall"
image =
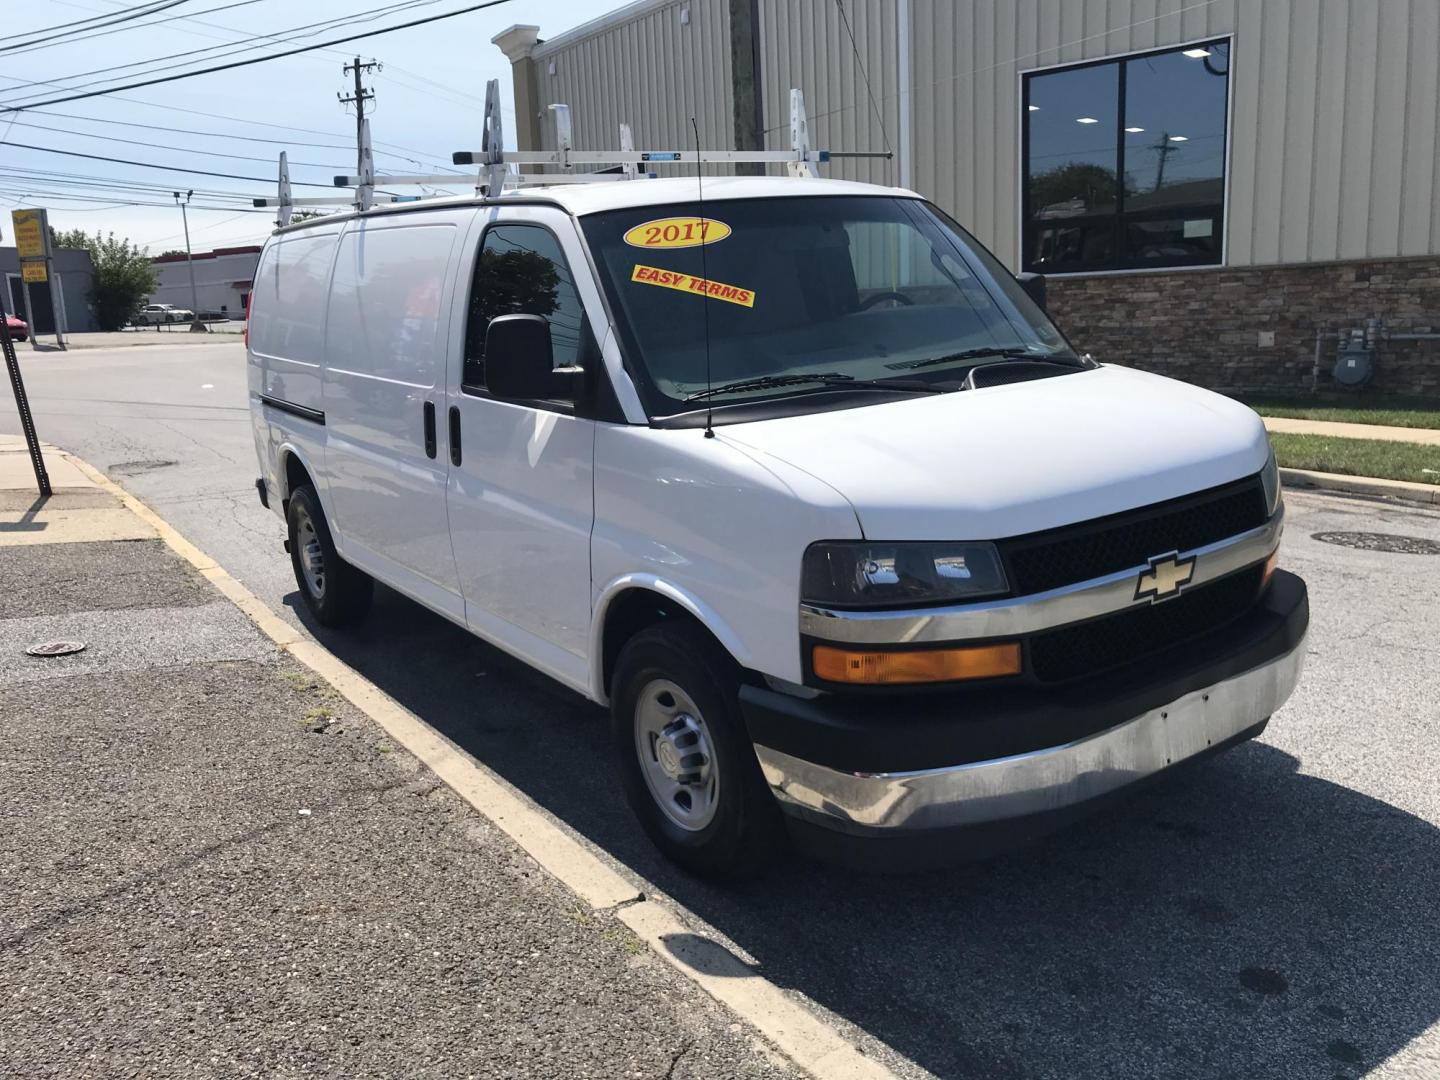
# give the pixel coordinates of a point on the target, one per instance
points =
(907, 119)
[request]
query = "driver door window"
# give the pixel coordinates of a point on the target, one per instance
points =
(521, 271)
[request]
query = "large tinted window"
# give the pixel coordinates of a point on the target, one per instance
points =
(1125, 162)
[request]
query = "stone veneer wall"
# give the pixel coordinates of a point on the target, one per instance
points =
(1204, 326)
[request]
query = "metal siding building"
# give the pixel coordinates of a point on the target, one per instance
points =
(1330, 140)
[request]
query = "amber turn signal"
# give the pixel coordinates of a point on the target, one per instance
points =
(916, 666)
(1270, 564)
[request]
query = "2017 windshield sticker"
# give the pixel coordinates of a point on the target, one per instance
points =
(677, 232)
(674, 279)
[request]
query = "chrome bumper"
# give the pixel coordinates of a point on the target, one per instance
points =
(1044, 780)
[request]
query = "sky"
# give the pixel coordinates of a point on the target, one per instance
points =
(429, 102)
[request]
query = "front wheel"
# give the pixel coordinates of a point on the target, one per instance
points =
(686, 763)
(335, 592)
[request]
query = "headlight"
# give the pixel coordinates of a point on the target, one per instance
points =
(858, 574)
(1270, 479)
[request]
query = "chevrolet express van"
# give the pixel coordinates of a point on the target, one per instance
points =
(797, 480)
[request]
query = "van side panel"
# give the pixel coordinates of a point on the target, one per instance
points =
(387, 340)
(286, 347)
(287, 315)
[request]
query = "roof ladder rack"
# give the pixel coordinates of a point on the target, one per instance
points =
(493, 163)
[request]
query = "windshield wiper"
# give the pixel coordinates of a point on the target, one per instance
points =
(1008, 352)
(828, 378)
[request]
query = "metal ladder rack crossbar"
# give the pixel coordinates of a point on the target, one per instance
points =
(494, 161)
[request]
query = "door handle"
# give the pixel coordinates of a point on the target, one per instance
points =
(454, 435)
(430, 429)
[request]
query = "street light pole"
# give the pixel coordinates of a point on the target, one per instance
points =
(197, 326)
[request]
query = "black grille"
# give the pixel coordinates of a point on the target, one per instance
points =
(1049, 560)
(1108, 642)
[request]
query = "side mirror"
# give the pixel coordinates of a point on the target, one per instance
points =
(519, 361)
(1034, 286)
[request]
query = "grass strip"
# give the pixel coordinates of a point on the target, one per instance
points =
(1358, 457)
(1385, 410)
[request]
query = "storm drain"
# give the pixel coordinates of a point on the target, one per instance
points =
(55, 648)
(1389, 542)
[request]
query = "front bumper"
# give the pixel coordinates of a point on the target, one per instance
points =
(1179, 704)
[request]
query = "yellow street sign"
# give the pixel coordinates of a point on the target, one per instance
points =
(34, 273)
(29, 234)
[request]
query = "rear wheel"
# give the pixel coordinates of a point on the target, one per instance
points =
(687, 765)
(335, 592)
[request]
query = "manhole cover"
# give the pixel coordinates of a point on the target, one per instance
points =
(1403, 545)
(55, 648)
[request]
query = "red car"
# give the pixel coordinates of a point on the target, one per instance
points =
(18, 330)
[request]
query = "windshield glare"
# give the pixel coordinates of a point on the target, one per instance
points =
(860, 287)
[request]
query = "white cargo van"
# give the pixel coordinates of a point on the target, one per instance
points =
(799, 481)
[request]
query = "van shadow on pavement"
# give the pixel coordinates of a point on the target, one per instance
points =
(1238, 920)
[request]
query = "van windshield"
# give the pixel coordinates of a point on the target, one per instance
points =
(806, 296)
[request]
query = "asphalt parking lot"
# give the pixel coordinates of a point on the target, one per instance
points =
(1272, 913)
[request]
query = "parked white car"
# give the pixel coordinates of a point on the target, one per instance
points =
(152, 314)
(825, 508)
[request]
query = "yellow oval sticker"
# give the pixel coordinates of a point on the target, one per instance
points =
(677, 232)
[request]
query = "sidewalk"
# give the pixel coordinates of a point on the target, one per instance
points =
(1423, 436)
(212, 864)
(220, 333)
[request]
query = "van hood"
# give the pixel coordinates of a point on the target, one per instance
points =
(1009, 460)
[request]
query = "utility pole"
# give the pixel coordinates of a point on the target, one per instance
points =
(360, 96)
(196, 327)
(1164, 147)
(748, 107)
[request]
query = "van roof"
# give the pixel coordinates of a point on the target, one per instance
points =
(592, 198)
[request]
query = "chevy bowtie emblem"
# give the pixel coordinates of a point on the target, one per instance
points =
(1164, 577)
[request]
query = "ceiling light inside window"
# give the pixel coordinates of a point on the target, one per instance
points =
(1033, 108)
(1196, 54)
(1179, 138)
(1086, 120)
(1134, 131)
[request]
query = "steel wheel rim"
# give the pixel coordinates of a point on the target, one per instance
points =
(311, 555)
(677, 756)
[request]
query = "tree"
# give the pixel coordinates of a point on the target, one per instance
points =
(173, 251)
(1093, 187)
(123, 277)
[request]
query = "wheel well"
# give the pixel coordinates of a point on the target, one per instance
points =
(629, 613)
(295, 475)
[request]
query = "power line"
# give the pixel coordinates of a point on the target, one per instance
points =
(46, 176)
(118, 17)
(153, 165)
(188, 149)
(49, 195)
(429, 158)
(78, 36)
(280, 37)
(464, 97)
(228, 119)
(257, 59)
(205, 134)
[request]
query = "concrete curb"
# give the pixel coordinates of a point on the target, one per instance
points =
(1374, 487)
(811, 1043)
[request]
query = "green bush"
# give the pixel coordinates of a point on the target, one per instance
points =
(123, 275)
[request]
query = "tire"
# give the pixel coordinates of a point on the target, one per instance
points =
(336, 593)
(715, 818)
